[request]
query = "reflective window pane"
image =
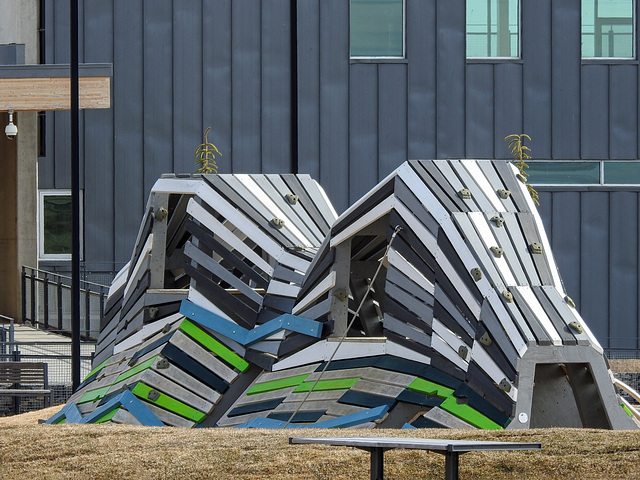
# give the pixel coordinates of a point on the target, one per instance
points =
(492, 28)
(607, 28)
(57, 224)
(622, 173)
(377, 28)
(564, 173)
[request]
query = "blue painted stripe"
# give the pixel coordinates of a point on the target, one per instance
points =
(247, 337)
(132, 404)
(353, 419)
(70, 412)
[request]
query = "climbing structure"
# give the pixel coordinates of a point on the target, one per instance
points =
(434, 301)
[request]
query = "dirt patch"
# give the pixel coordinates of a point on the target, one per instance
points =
(624, 365)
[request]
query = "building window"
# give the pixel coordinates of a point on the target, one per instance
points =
(589, 172)
(54, 225)
(377, 28)
(493, 28)
(608, 28)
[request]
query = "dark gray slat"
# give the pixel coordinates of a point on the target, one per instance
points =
(370, 201)
(513, 185)
(447, 296)
(400, 312)
(489, 170)
(450, 87)
(296, 342)
(623, 127)
(478, 248)
(565, 333)
(477, 401)
(563, 310)
(239, 312)
(133, 325)
(404, 329)
(207, 239)
(479, 114)
(311, 202)
(397, 277)
(411, 303)
(359, 284)
(496, 354)
(439, 186)
(623, 269)
(135, 294)
(277, 197)
(594, 263)
(366, 248)
(319, 311)
(318, 272)
(465, 276)
(280, 272)
(594, 105)
(177, 221)
(409, 200)
(438, 362)
(530, 318)
(479, 381)
(408, 241)
(146, 227)
(536, 79)
(163, 310)
(508, 105)
(267, 314)
(489, 319)
(244, 199)
(510, 254)
(447, 319)
(278, 303)
(246, 209)
(261, 359)
(404, 249)
(277, 184)
(521, 247)
(479, 196)
(531, 234)
(454, 174)
(315, 190)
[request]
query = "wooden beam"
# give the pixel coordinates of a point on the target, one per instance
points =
(52, 93)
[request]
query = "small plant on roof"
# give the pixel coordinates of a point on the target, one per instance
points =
(205, 156)
(519, 153)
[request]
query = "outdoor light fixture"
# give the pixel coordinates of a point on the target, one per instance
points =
(11, 130)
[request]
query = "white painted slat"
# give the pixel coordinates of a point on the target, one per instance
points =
(422, 192)
(314, 189)
(285, 289)
(168, 418)
(484, 231)
(322, 351)
(410, 271)
(483, 182)
(426, 237)
(369, 194)
(400, 351)
(119, 280)
(262, 197)
(365, 220)
(447, 335)
(209, 221)
(219, 204)
(199, 299)
(185, 380)
(518, 342)
(577, 317)
(546, 248)
(459, 285)
(147, 332)
(206, 358)
(444, 418)
(444, 349)
(538, 311)
(487, 364)
(141, 264)
(176, 185)
(323, 287)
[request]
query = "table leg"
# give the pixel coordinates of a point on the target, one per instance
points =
(451, 465)
(377, 463)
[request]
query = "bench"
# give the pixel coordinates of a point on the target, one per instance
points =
(25, 379)
(451, 449)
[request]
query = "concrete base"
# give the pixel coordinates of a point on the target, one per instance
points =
(567, 386)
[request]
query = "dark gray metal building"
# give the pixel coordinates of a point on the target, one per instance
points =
(290, 86)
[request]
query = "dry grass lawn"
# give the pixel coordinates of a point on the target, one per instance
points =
(29, 450)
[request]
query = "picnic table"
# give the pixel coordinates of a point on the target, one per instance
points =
(451, 449)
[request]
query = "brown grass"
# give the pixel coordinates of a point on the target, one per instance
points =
(32, 451)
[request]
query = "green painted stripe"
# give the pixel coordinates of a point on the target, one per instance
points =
(469, 414)
(627, 410)
(137, 369)
(323, 385)
(93, 395)
(98, 368)
(214, 346)
(60, 421)
(277, 384)
(169, 403)
(429, 388)
(108, 416)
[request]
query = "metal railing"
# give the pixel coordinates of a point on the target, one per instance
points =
(46, 302)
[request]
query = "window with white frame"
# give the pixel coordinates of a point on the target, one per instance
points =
(376, 28)
(493, 28)
(608, 28)
(54, 225)
(584, 172)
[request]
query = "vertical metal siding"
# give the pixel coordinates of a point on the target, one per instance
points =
(595, 111)
(480, 112)
(623, 111)
(392, 120)
(508, 105)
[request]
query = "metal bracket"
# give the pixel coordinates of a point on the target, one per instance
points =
(341, 294)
